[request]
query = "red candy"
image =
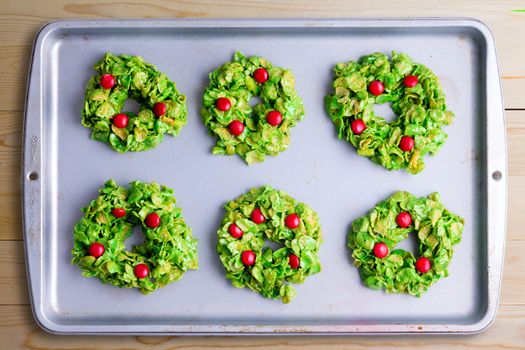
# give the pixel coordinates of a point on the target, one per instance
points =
(423, 265)
(107, 81)
(96, 249)
(141, 270)
(248, 258)
(274, 118)
(410, 81)
(293, 261)
(380, 250)
(257, 216)
(235, 231)
(118, 212)
(358, 126)
(406, 144)
(260, 75)
(376, 88)
(292, 221)
(120, 120)
(223, 104)
(404, 219)
(152, 220)
(236, 127)
(159, 109)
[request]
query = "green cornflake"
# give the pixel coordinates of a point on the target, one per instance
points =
(139, 81)
(421, 110)
(437, 230)
(168, 250)
(234, 80)
(271, 271)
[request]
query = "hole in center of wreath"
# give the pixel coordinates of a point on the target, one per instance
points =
(385, 111)
(131, 106)
(410, 244)
(254, 101)
(136, 238)
(272, 245)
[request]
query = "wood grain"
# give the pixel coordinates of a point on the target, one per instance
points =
(19, 21)
(10, 173)
(13, 280)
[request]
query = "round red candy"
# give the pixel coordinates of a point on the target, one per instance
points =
(423, 265)
(235, 231)
(260, 75)
(152, 220)
(380, 250)
(274, 118)
(223, 104)
(257, 216)
(406, 144)
(118, 212)
(107, 81)
(403, 219)
(159, 109)
(248, 258)
(410, 81)
(358, 126)
(141, 271)
(293, 261)
(236, 127)
(292, 221)
(96, 249)
(376, 88)
(120, 120)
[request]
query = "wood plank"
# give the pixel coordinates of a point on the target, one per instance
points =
(13, 283)
(515, 121)
(13, 278)
(19, 30)
(513, 282)
(10, 173)
(516, 203)
(18, 26)
(14, 64)
(18, 331)
(512, 98)
(516, 170)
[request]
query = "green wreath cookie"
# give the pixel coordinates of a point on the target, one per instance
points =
(267, 214)
(251, 132)
(162, 110)
(373, 238)
(417, 100)
(168, 250)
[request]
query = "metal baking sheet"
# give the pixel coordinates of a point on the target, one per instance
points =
(63, 169)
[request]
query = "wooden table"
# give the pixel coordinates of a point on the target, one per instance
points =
(19, 20)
